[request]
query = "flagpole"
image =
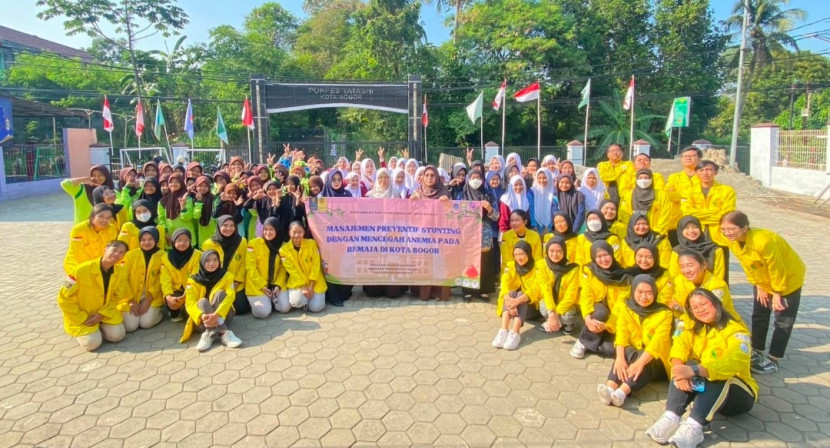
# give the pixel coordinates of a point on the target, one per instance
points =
(250, 150)
(631, 132)
(112, 146)
(503, 115)
(585, 143)
(136, 122)
(679, 134)
(426, 148)
(539, 124)
(482, 134)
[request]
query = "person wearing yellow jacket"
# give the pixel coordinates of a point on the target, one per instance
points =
(694, 274)
(710, 368)
(143, 264)
(232, 248)
(89, 302)
(647, 261)
(519, 231)
(629, 179)
(644, 198)
(611, 213)
(639, 231)
(103, 194)
(265, 276)
(777, 273)
(306, 286)
(692, 236)
(143, 215)
(209, 298)
(642, 342)
(679, 187)
(604, 284)
(563, 228)
(612, 170)
(597, 230)
(560, 287)
(180, 262)
(88, 239)
(709, 201)
(521, 286)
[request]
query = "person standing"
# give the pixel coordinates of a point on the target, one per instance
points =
(679, 188)
(613, 169)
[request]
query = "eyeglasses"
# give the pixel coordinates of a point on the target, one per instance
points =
(429, 175)
(690, 156)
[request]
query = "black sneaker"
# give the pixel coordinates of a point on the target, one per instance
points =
(763, 366)
(567, 329)
(176, 315)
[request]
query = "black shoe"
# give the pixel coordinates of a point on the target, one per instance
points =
(468, 298)
(340, 304)
(567, 329)
(485, 297)
(763, 366)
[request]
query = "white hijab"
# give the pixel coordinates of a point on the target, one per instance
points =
(410, 178)
(593, 196)
(355, 192)
(513, 200)
(403, 190)
(418, 172)
(367, 180)
(383, 193)
(543, 198)
(517, 158)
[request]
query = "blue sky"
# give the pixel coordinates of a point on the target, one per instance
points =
(22, 15)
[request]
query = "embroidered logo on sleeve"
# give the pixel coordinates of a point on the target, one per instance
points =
(718, 292)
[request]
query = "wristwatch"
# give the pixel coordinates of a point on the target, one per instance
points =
(696, 369)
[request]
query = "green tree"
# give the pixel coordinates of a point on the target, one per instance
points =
(319, 44)
(768, 29)
(618, 127)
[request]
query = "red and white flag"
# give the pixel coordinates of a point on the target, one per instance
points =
(107, 113)
(629, 95)
(425, 115)
(247, 115)
(139, 119)
(529, 93)
(500, 95)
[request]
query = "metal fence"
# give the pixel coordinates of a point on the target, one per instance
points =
(803, 149)
(31, 162)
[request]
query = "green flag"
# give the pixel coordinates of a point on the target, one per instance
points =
(586, 95)
(159, 124)
(679, 114)
(221, 131)
(476, 109)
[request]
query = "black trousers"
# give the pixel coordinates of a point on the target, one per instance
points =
(735, 401)
(725, 264)
(600, 343)
(390, 291)
(783, 323)
(338, 293)
(241, 304)
(653, 371)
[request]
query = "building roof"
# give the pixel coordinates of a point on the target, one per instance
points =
(16, 39)
(32, 109)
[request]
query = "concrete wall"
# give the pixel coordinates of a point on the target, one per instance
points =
(798, 180)
(764, 160)
(76, 146)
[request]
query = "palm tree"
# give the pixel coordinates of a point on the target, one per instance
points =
(617, 127)
(768, 28)
(444, 5)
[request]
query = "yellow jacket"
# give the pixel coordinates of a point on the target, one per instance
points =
(144, 280)
(682, 288)
(571, 245)
(725, 353)
(719, 269)
(85, 296)
(256, 267)
(629, 180)
(173, 279)
(652, 334)
(568, 288)
(86, 244)
(594, 291)
(679, 189)
(237, 264)
(663, 250)
(583, 249)
(194, 292)
(770, 262)
(509, 239)
(129, 235)
(532, 285)
(708, 209)
(614, 173)
(303, 266)
(122, 217)
(659, 215)
(619, 229)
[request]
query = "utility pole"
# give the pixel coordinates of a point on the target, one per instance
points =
(736, 120)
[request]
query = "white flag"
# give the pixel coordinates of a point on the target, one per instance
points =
(476, 109)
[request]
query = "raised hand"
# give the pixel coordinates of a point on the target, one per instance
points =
(405, 153)
(270, 159)
(381, 153)
(358, 154)
(286, 148)
(470, 156)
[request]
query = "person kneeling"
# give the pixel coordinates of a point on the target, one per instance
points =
(143, 265)
(89, 302)
(265, 275)
(306, 286)
(519, 287)
(643, 342)
(209, 300)
(710, 368)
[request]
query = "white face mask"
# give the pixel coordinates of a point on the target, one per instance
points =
(594, 226)
(643, 183)
(143, 217)
(475, 183)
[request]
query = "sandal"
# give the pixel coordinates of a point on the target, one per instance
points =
(544, 327)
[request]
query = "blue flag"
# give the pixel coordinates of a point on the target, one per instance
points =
(188, 120)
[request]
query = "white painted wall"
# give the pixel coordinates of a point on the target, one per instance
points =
(798, 180)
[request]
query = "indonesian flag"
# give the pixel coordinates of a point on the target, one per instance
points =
(425, 115)
(139, 119)
(247, 115)
(107, 113)
(629, 95)
(500, 95)
(529, 93)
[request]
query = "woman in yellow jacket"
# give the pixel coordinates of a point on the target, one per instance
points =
(143, 265)
(209, 298)
(143, 215)
(777, 274)
(306, 286)
(265, 276)
(563, 228)
(611, 213)
(231, 248)
(88, 239)
(103, 194)
(560, 287)
(604, 284)
(612, 170)
(642, 341)
(519, 231)
(647, 199)
(639, 232)
(89, 303)
(692, 236)
(180, 262)
(695, 274)
(521, 286)
(710, 368)
(647, 261)
(597, 230)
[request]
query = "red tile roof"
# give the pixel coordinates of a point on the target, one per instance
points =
(13, 38)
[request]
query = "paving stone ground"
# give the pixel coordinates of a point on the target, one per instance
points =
(377, 372)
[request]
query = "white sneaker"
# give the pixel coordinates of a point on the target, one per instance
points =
(604, 393)
(512, 341)
(663, 428)
(204, 342)
(688, 435)
(230, 339)
(578, 350)
(618, 398)
(498, 341)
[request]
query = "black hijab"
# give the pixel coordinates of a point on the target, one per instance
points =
(600, 235)
(568, 233)
(562, 267)
(653, 307)
(205, 278)
(154, 232)
(177, 258)
(616, 216)
(458, 189)
(655, 271)
(273, 247)
(89, 187)
(476, 194)
(643, 198)
(330, 192)
(98, 198)
(569, 200)
(615, 275)
(525, 247)
(635, 240)
(702, 245)
(146, 203)
(155, 197)
(229, 243)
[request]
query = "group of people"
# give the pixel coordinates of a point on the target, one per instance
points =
(641, 261)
